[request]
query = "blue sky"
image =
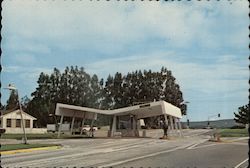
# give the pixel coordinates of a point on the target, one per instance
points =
(204, 44)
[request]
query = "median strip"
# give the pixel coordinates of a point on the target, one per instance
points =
(21, 148)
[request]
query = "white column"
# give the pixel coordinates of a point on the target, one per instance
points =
(166, 119)
(113, 129)
(83, 120)
(180, 129)
(179, 123)
(91, 128)
(60, 127)
(171, 122)
(175, 123)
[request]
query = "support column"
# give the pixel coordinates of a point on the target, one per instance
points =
(180, 129)
(175, 123)
(138, 126)
(171, 122)
(118, 121)
(166, 118)
(113, 129)
(135, 127)
(83, 120)
(134, 123)
(91, 131)
(60, 127)
(72, 125)
(179, 123)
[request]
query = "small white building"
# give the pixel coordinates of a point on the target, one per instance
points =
(11, 122)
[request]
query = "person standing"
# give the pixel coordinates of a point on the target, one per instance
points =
(164, 126)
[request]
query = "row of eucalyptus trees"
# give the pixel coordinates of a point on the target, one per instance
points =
(77, 87)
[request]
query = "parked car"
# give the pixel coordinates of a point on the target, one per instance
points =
(86, 128)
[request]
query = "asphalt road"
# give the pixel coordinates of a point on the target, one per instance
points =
(190, 150)
(206, 154)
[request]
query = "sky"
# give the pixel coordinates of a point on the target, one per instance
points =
(203, 43)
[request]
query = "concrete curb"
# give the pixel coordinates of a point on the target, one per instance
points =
(29, 150)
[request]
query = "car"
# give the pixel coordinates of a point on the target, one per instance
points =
(86, 128)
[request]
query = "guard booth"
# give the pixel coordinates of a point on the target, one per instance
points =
(125, 126)
(125, 121)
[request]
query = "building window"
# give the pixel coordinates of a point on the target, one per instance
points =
(27, 123)
(18, 123)
(8, 122)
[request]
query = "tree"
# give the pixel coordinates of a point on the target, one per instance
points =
(243, 115)
(142, 87)
(12, 102)
(25, 101)
(74, 86)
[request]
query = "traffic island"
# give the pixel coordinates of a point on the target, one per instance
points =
(20, 148)
(215, 138)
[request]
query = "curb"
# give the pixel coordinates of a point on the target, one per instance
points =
(28, 150)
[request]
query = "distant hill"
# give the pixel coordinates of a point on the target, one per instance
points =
(226, 123)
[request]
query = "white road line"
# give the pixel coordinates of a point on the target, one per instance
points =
(142, 157)
(239, 143)
(241, 163)
(239, 139)
(203, 146)
(192, 147)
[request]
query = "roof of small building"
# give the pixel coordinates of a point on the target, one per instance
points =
(4, 113)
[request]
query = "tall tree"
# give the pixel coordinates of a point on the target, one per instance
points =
(243, 115)
(12, 102)
(73, 86)
(25, 101)
(142, 87)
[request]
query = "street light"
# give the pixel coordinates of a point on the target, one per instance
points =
(13, 88)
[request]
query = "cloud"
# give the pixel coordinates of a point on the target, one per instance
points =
(208, 79)
(29, 74)
(203, 43)
(100, 25)
(23, 59)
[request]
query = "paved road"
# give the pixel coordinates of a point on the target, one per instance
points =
(136, 152)
(207, 154)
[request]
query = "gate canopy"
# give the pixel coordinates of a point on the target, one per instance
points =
(141, 111)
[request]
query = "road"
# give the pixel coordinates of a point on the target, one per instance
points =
(191, 150)
(205, 154)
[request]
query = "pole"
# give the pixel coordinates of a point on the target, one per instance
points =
(13, 88)
(21, 111)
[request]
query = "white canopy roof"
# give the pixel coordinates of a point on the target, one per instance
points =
(141, 111)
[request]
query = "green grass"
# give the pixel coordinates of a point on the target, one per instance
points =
(9, 147)
(233, 132)
(40, 136)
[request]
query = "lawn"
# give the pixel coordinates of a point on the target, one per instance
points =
(233, 132)
(9, 147)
